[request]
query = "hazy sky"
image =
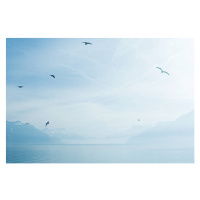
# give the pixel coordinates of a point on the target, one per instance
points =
(100, 88)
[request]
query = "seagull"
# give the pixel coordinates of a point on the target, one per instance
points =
(162, 70)
(53, 76)
(47, 123)
(87, 43)
(20, 86)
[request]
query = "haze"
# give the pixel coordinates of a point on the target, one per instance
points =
(99, 89)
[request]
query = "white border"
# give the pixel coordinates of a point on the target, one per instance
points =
(151, 19)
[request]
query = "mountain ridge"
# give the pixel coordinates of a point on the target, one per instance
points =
(178, 133)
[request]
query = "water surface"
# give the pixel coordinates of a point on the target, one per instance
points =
(96, 154)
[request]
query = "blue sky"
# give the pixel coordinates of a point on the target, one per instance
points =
(101, 88)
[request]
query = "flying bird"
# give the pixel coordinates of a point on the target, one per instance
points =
(20, 86)
(53, 76)
(47, 123)
(162, 70)
(87, 43)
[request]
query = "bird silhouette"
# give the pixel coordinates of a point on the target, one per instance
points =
(20, 86)
(53, 76)
(162, 70)
(87, 43)
(47, 123)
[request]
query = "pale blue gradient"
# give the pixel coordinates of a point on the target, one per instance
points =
(99, 89)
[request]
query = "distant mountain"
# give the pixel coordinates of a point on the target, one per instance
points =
(64, 136)
(136, 130)
(178, 133)
(20, 133)
(122, 137)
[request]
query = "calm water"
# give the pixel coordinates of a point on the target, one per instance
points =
(96, 154)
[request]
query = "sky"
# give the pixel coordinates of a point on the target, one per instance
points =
(99, 89)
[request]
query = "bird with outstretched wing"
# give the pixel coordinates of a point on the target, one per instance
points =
(162, 70)
(47, 123)
(86, 43)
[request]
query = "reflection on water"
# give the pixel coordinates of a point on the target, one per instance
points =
(96, 154)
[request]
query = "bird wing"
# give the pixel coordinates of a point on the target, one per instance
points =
(166, 72)
(159, 68)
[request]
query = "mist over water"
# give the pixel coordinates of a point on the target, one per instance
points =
(167, 142)
(108, 102)
(96, 154)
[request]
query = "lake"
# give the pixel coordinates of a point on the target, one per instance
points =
(96, 154)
